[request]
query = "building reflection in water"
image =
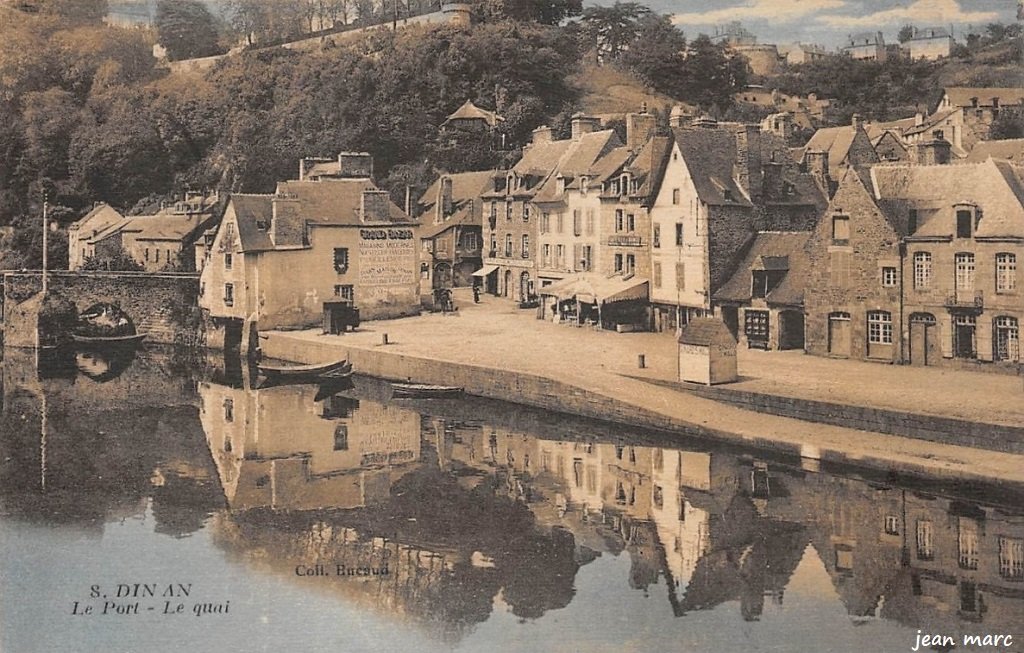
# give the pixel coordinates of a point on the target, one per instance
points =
(469, 513)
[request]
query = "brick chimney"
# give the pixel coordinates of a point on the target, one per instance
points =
(855, 122)
(639, 129)
(444, 203)
(934, 151)
(287, 227)
(747, 166)
(582, 124)
(543, 134)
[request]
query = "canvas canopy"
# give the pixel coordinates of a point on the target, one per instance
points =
(596, 289)
(485, 270)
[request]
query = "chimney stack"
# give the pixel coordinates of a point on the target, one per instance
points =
(543, 134)
(640, 127)
(444, 202)
(747, 166)
(583, 124)
(933, 152)
(678, 117)
(355, 165)
(855, 122)
(816, 163)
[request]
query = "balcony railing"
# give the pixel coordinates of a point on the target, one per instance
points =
(626, 241)
(973, 299)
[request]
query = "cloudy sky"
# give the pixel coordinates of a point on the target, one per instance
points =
(829, 21)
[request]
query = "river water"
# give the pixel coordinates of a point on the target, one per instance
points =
(155, 503)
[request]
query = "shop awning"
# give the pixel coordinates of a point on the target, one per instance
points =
(485, 270)
(594, 288)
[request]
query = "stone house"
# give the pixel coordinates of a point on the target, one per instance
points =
(606, 229)
(866, 46)
(843, 146)
(722, 184)
(84, 235)
(165, 239)
(965, 115)
(534, 191)
(890, 147)
(451, 213)
(766, 292)
(277, 259)
(852, 293)
(961, 291)
(930, 43)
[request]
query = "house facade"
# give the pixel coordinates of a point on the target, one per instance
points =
(962, 299)
(852, 294)
(84, 235)
(278, 259)
(451, 214)
(722, 184)
(866, 46)
(930, 43)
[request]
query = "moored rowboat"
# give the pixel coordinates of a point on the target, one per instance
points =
(425, 390)
(109, 340)
(335, 370)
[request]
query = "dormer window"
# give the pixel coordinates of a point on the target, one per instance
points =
(560, 184)
(727, 194)
(510, 183)
(966, 220)
(625, 183)
(584, 182)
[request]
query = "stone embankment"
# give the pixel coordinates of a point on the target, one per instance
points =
(518, 359)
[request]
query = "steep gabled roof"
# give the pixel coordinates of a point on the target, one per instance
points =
(100, 218)
(465, 186)
(837, 141)
(771, 250)
(709, 155)
(252, 211)
(578, 158)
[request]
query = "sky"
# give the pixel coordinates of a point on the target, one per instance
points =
(828, 22)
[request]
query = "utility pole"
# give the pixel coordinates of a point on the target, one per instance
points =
(46, 240)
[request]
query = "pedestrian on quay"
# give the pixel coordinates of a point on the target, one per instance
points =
(476, 294)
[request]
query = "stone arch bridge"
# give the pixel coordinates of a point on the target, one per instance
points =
(163, 306)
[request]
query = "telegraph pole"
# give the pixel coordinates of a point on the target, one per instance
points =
(46, 229)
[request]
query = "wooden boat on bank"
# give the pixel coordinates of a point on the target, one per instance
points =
(315, 372)
(424, 390)
(108, 341)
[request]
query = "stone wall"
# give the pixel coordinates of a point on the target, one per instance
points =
(163, 306)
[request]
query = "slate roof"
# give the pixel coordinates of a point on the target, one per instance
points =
(837, 142)
(772, 250)
(577, 159)
(335, 201)
(996, 187)
(469, 111)
(709, 155)
(1010, 149)
(961, 96)
(926, 33)
(878, 129)
(166, 227)
(249, 211)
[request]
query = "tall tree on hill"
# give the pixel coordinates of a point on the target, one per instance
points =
(711, 74)
(611, 30)
(186, 29)
(656, 55)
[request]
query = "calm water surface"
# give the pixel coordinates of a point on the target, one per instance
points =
(469, 526)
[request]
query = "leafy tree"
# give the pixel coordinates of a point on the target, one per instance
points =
(118, 261)
(712, 74)
(545, 12)
(905, 34)
(657, 55)
(186, 29)
(612, 30)
(1009, 124)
